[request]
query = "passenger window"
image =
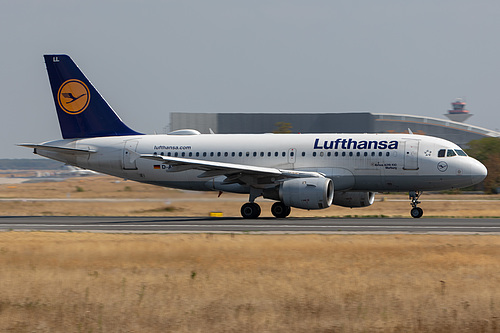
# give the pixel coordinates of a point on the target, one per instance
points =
(366, 154)
(212, 154)
(379, 153)
(314, 154)
(292, 153)
(254, 154)
(218, 154)
(183, 154)
(450, 153)
(233, 154)
(329, 154)
(350, 153)
(441, 152)
(321, 154)
(269, 154)
(240, 154)
(197, 154)
(225, 154)
(261, 154)
(387, 154)
(168, 154)
(248, 153)
(204, 154)
(358, 154)
(303, 153)
(336, 153)
(190, 154)
(343, 153)
(176, 154)
(283, 154)
(373, 153)
(162, 153)
(460, 152)
(276, 153)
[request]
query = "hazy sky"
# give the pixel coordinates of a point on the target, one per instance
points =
(148, 58)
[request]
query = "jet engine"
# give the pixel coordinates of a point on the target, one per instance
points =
(354, 199)
(307, 193)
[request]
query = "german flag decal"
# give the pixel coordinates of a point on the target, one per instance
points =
(157, 166)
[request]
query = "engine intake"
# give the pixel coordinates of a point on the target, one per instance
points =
(307, 193)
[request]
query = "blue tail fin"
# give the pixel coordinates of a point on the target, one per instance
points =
(81, 110)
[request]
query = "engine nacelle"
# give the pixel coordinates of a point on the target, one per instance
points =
(307, 193)
(354, 199)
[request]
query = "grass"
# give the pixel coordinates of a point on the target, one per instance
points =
(81, 282)
(202, 203)
(163, 209)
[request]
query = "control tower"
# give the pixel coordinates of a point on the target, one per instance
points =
(458, 113)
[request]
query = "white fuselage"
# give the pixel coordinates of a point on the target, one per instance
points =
(354, 162)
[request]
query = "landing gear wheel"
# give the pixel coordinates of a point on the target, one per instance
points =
(280, 210)
(250, 210)
(416, 212)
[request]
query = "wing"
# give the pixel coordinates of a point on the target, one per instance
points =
(235, 173)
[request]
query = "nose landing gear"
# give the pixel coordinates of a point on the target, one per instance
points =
(416, 212)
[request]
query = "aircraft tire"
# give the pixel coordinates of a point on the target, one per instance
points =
(416, 212)
(250, 210)
(280, 210)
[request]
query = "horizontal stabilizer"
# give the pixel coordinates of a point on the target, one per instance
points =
(58, 149)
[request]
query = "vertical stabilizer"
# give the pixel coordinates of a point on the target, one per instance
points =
(81, 110)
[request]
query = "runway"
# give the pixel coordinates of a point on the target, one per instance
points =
(263, 225)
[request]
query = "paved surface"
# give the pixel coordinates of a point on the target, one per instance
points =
(263, 225)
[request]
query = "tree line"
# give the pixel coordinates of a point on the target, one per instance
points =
(487, 151)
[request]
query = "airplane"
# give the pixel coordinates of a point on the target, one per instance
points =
(306, 171)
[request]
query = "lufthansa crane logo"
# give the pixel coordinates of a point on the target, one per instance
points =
(442, 166)
(73, 96)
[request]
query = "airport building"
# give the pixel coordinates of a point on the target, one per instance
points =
(357, 122)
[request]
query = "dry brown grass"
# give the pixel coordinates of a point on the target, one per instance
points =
(184, 203)
(82, 282)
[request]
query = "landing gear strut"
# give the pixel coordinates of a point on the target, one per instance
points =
(416, 212)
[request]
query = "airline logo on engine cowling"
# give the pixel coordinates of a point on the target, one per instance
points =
(73, 96)
(341, 143)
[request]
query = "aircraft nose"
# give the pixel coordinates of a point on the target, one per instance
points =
(477, 171)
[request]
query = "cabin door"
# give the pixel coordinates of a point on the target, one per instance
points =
(411, 154)
(129, 155)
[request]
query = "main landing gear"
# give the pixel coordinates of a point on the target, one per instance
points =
(416, 212)
(280, 210)
(251, 210)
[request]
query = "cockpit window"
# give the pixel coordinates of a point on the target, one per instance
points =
(450, 153)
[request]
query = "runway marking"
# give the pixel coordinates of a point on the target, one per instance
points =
(248, 226)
